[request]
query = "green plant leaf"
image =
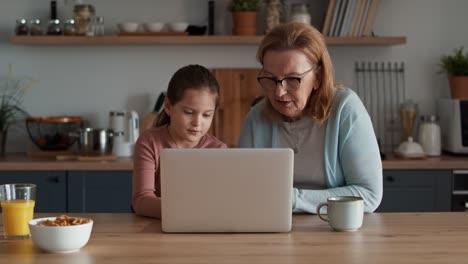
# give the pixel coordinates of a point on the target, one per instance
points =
(244, 5)
(455, 64)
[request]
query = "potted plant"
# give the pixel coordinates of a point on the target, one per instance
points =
(244, 16)
(11, 99)
(456, 67)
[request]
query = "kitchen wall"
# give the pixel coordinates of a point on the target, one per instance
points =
(91, 80)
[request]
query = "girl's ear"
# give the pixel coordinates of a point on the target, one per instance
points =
(167, 106)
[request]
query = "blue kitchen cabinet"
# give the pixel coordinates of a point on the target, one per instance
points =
(99, 191)
(51, 187)
(416, 191)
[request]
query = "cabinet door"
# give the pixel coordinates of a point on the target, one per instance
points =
(238, 90)
(99, 191)
(50, 188)
(416, 191)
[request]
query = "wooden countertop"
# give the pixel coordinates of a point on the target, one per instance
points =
(24, 162)
(384, 238)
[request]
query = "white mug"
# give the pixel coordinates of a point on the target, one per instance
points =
(345, 213)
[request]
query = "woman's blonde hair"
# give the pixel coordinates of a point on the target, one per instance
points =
(299, 36)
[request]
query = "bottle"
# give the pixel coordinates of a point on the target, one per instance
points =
(429, 135)
(299, 13)
(211, 14)
(54, 28)
(53, 10)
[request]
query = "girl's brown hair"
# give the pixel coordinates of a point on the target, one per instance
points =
(299, 36)
(189, 77)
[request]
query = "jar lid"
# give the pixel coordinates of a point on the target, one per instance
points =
(35, 21)
(54, 21)
(429, 118)
(21, 21)
(70, 21)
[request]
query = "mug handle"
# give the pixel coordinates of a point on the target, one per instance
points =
(320, 215)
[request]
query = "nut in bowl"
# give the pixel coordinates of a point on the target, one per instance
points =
(61, 234)
(128, 26)
(153, 26)
(177, 26)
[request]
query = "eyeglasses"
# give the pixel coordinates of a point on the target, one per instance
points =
(288, 83)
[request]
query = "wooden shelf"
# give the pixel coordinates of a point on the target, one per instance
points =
(187, 40)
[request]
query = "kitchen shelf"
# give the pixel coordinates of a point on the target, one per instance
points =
(187, 40)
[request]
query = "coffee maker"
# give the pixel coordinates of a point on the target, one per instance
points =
(125, 125)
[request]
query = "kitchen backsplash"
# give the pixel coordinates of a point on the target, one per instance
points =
(90, 81)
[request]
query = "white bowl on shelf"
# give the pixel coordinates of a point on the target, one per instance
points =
(177, 26)
(128, 26)
(153, 26)
(60, 239)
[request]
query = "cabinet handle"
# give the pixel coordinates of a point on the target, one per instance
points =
(54, 179)
(390, 179)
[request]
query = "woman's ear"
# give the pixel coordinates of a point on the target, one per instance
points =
(167, 106)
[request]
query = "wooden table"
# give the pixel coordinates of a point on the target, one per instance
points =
(384, 238)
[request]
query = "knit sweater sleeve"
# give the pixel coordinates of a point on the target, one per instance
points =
(145, 164)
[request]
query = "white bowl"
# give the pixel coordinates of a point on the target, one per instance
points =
(61, 239)
(153, 26)
(128, 26)
(177, 26)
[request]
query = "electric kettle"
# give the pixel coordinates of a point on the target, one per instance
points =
(125, 125)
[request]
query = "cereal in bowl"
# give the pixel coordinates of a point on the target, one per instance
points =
(64, 220)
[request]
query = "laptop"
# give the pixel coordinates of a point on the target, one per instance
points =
(226, 190)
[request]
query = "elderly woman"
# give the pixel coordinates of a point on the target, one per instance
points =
(327, 126)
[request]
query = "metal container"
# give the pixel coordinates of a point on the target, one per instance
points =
(94, 141)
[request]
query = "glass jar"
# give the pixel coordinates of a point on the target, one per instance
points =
(273, 15)
(21, 27)
(35, 27)
(300, 14)
(83, 15)
(69, 27)
(408, 117)
(54, 28)
(429, 135)
(99, 26)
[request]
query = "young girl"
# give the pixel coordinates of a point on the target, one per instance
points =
(192, 98)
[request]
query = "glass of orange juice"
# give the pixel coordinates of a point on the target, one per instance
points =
(17, 201)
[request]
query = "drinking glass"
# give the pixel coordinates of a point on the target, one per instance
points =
(17, 202)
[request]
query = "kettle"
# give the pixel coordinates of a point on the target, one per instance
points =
(125, 125)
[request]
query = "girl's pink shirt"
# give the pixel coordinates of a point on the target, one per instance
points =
(146, 192)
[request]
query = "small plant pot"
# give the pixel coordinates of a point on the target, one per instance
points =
(244, 23)
(458, 87)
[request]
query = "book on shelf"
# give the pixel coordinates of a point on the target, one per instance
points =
(338, 5)
(357, 17)
(348, 18)
(339, 23)
(329, 17)
(369, 26)
(364, 17)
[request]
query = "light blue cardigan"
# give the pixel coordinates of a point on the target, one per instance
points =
(352, 159)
